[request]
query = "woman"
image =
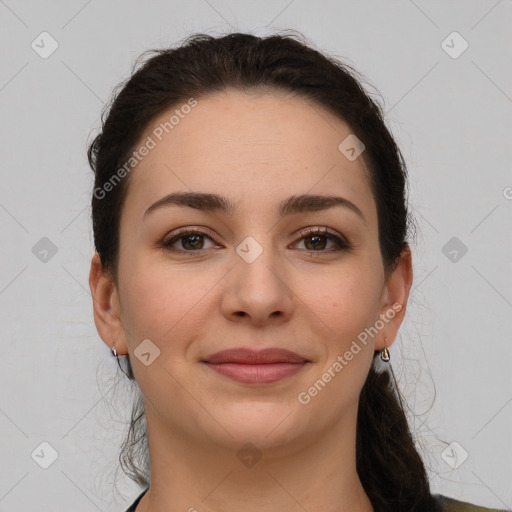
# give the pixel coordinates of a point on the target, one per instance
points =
(252, 265)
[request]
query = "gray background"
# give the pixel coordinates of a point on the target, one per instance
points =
(452, 118)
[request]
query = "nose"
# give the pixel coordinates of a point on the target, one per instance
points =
(258, 292)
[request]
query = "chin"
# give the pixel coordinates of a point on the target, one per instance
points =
(269, 427)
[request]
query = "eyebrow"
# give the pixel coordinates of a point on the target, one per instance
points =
(217, 203)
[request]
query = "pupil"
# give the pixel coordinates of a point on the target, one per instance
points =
(195, 239)
(315, 239)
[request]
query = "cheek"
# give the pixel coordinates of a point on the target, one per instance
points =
(347, 309)
(159, 304)
(165, 310)
(346, 302)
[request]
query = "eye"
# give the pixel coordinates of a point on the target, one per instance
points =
(316, 239)
(190, 239)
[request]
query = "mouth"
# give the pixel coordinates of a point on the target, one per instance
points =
(256, 367)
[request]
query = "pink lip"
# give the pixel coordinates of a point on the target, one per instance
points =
(249, 356)
(256, 366)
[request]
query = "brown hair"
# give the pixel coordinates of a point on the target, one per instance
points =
(388, 463)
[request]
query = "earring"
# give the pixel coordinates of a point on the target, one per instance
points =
(384, 354)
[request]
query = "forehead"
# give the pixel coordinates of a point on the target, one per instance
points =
(265, 144)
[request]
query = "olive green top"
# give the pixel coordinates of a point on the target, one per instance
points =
(448, 504)
(453, 505)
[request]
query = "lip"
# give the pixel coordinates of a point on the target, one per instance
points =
(256, 366)
(250, 356)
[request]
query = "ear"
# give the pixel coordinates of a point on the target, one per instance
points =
(106, 307)
(394, 300)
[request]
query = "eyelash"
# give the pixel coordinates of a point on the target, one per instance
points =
(342, 244)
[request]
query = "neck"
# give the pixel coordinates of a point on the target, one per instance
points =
(189, 476)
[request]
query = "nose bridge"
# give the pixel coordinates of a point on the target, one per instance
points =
(258, 255)
(257, 285)
(254, 230)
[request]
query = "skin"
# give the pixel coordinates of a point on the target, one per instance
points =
(257, 149)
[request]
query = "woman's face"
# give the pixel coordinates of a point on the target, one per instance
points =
(255, 277)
